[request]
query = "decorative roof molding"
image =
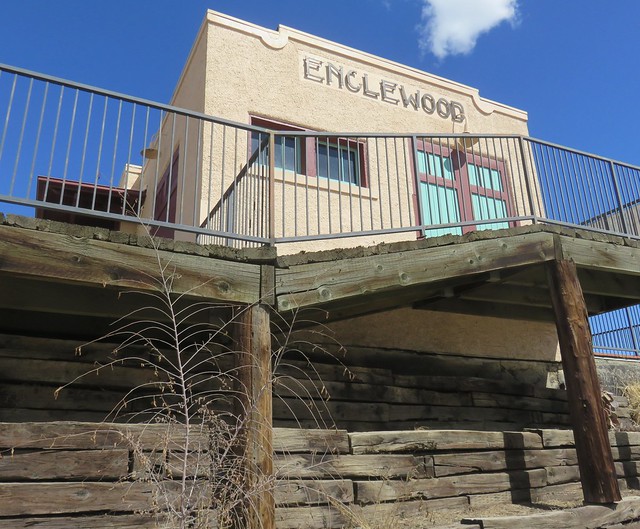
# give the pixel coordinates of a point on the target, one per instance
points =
(278, 39)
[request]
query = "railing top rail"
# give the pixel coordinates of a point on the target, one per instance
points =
(405, 135)
(129, 99)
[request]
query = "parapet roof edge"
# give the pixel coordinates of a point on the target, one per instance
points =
(278, 39)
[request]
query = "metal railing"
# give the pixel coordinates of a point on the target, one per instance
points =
(78, 153)
(70, 149)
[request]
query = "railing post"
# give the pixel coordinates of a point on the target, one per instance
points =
(616, 187)
(272, 187)
(526, 178)
(416, 178)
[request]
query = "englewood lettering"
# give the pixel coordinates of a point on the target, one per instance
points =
(386, 91)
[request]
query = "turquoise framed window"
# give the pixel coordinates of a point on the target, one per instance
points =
(456, 187)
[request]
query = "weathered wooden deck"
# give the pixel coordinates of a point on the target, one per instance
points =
(52, 273)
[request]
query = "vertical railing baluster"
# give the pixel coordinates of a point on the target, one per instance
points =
(6, 120)
(616, 187)
(37, 142)
(19, 150)
(84, 148)
(272, 187)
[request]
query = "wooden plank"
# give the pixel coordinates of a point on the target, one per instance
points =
(35, 254)
(558, 494)
(482, 501)
(325, 412)
(75, 399)
(61, 372)
(624, 453)
(563, 474)
(521, 296)
(45, 297)
(602, 256)
(358, 392)
(519, 402)
(350, 466)
(318, 368)
(554, 438)
(396, 490)
(318, 283)
(296, 440)
(309, 492)
(432, 440)
(416, 513)
(102, 521)
(583, 389)
(486, 308)
(19, 415)
(591, 516)
(254, 410)
(18, 499)
(491, 461)
(72, 435)
(621, 439)
(627, 468)
(404, 412)
(608, 284)
(108, 465)
(322, 517)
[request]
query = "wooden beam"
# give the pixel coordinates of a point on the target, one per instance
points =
(487, 308)
(595, 459)
(526, 296)
(253, 407)
(609, 284)
(604, 256)
(58, 257)
(323, 282)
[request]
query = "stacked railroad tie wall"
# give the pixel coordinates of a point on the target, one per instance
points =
(368, 390)
(54, 473)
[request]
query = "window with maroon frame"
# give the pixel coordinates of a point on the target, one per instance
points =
(458, 187)
(340, 159)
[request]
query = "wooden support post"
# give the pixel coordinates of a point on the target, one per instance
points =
(597, 471)
(254, 408)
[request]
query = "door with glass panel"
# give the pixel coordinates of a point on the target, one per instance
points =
(460, 191)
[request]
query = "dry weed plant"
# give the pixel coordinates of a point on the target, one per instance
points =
(632, 392)
(196, 466)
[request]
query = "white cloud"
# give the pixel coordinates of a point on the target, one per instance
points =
(451, 27)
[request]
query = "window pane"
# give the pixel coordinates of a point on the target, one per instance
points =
(338, 162)
(439, 206)
(434, 165)
(422, 162)
(287, 155)
(439, 166)
(485, 208)
(484, 177)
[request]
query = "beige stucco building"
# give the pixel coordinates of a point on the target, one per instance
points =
(290, 81)
(391, 165)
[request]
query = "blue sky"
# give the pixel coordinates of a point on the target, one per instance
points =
(573, 65)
